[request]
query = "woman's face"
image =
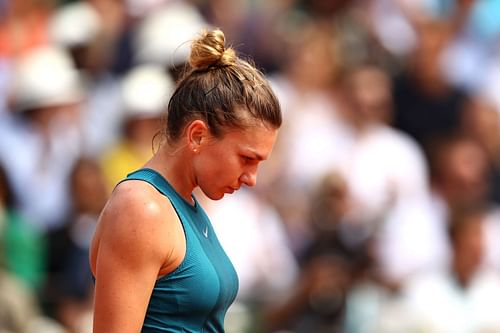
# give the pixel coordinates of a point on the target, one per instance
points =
(224, 165)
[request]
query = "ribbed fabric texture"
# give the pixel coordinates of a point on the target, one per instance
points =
(195, 297)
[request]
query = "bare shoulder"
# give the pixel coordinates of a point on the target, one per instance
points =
(137, 204)
(138, 238)
(138, 221)
(135, 198)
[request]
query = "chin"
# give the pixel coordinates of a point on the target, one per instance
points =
(216, 196)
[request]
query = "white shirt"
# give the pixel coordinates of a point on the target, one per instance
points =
(442, 305)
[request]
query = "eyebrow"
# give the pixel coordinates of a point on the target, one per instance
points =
(256, 155)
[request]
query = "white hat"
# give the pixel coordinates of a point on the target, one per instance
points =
(164, 36)
(75, 24)
(45, 77)
(146, 90)
(140, 8)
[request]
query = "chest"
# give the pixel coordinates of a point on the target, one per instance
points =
(205, 281)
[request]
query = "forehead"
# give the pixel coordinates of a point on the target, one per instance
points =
(258, 139)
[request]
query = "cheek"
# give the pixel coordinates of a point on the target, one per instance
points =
(229, 167)
(220, 168)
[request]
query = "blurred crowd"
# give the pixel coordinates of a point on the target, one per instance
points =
(377, 212)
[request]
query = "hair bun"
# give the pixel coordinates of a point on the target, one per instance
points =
(209, 50)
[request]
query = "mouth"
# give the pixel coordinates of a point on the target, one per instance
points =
(230, 190)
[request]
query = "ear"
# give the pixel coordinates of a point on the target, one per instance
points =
(197, 133)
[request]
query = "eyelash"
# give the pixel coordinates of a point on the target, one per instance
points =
(247, 159)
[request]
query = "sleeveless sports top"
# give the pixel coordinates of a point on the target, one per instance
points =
(196, 295)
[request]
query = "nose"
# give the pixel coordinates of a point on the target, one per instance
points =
(249, 178)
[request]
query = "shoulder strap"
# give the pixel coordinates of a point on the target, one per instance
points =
(181, 206)
(155, 179)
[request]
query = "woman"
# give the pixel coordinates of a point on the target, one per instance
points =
(157, 262)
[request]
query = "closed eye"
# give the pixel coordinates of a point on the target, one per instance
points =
(248, 159)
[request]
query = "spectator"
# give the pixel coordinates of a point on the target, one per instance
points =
(40, 139)
(145, 92)
(67, 294)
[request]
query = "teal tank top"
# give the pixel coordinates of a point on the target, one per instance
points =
(194, 297)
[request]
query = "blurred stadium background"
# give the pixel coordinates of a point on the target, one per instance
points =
(377, 213)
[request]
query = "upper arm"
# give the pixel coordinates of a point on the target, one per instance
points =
(130, 253)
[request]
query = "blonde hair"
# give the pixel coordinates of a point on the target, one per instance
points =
(221, 89)
(209, 50)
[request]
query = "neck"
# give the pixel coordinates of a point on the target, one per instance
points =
(174, 164)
